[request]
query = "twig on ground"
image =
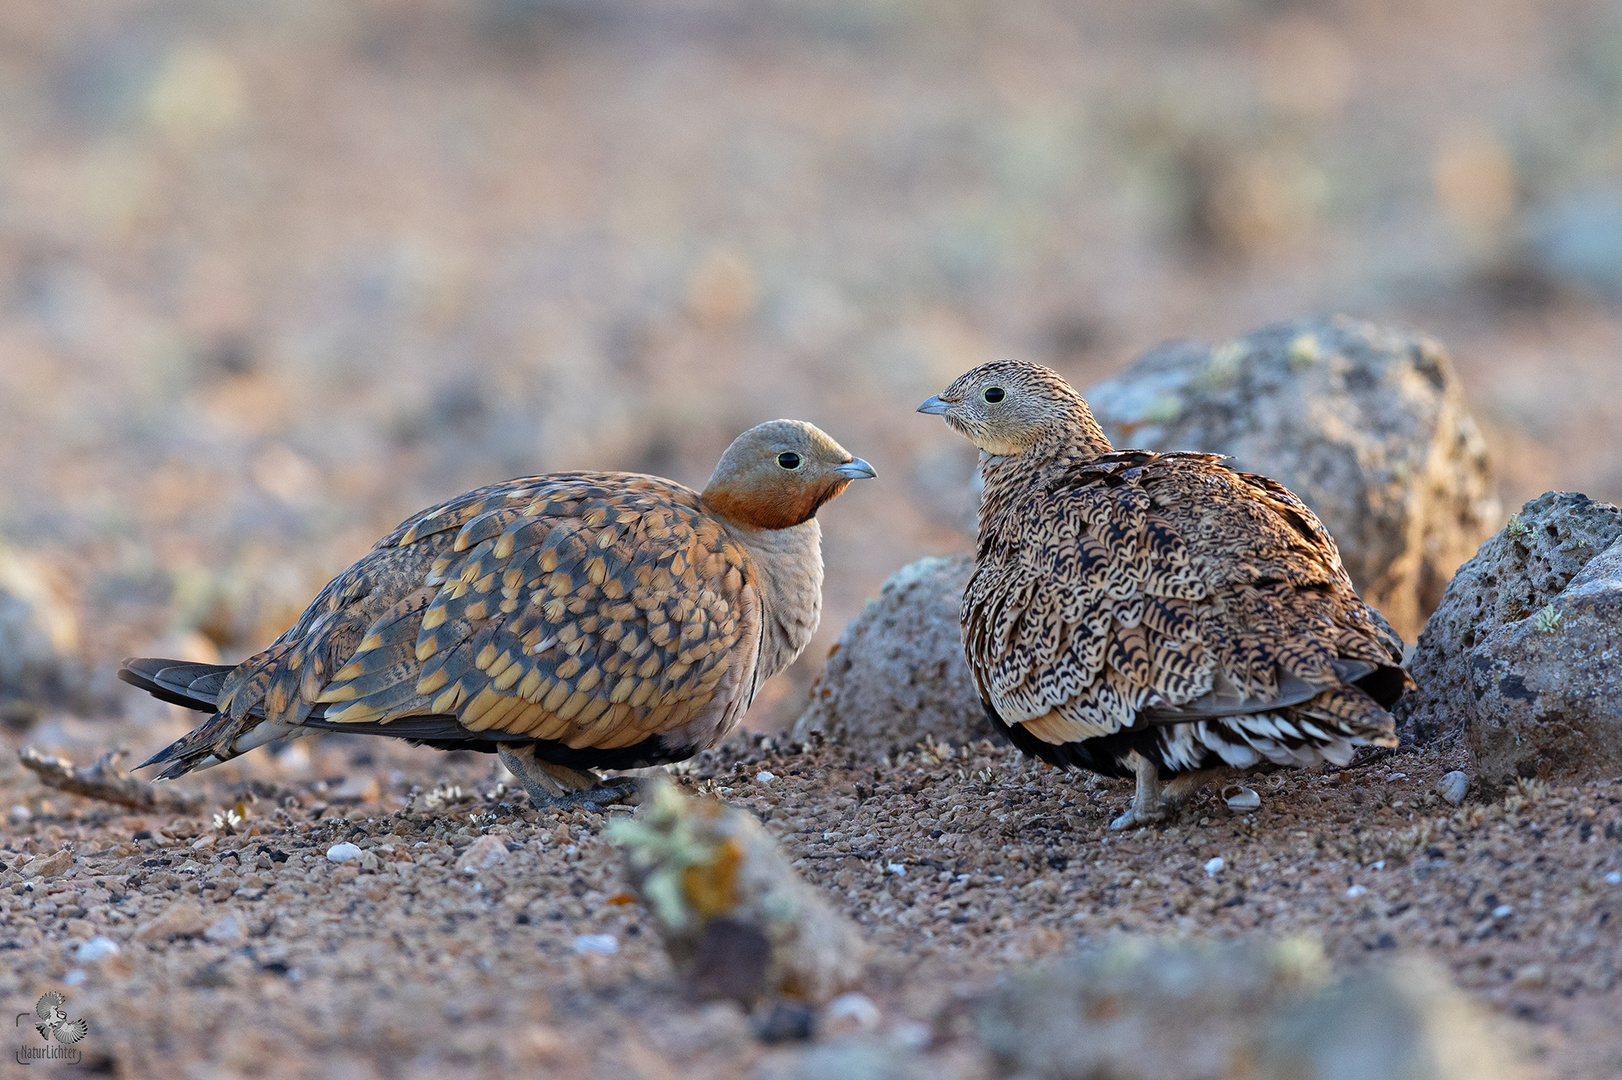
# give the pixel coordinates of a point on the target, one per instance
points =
(105, 780)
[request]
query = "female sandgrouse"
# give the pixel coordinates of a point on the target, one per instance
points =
(566, 622)
(1155, 615)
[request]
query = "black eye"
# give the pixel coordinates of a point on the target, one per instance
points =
(789, 460)
(993, 394)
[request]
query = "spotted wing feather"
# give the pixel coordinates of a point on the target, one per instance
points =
(1134, 590)
(595, 611)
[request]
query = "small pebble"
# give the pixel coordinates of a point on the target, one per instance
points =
(912, 1034)
(764, 777)
(1502, 911)
(75, 977)
(1377, 865)
(1244, 799)
(1452, 788)
(1531, 977)
(482, 854)
(1214, 866)
(897, 869)
(224, 931)
(97, 948)
(853, 1010)
(21, 813)
(1356, 890)
(1398, 776)
(341, 853)
(1614, 877)
(602, 944)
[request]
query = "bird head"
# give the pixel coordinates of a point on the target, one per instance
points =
(1008, 406)
(777, 474)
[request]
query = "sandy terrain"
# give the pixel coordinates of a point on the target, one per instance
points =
(960, 865)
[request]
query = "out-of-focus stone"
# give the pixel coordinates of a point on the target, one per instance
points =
(736, 919)
(39, 635)
(1366, 424)
(482, 854)
(178, 920)
(48, 866)
(1517, 574)
(1142, 1010)
(1577, 243)
(898, 673)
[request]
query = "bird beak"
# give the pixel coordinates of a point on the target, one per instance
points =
(856, 469)
(935, 406)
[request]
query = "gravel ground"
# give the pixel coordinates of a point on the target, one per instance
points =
(249, 952)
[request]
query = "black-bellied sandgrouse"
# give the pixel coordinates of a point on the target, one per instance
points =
(567, 622)
(1155, 615)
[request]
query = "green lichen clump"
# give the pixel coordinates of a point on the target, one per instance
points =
(1548, 619)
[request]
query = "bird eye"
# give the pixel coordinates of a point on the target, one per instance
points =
(993, 394)
(789, 460)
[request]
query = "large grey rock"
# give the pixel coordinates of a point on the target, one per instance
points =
(1143, 1010)
(898, 672)
(1548, 689)
(1366, 424)
(1497, 596)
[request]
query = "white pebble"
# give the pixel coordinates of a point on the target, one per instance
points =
(1377, 865)
(224, 931)
(75, 977)
(897, 869)
(1452, 788)
(1244, 799)
(1214, 866)
(1614, 877)
(1502, 911)
(1356, 890)
(344, 853)
(856, 1008)
(602, 944)
(21, 813)
(764, 777)
(97, 948)
(1398, 776)
(912, 1035)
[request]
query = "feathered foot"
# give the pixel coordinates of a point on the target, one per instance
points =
(1146, 805)
(558, 787)
(1154, 802)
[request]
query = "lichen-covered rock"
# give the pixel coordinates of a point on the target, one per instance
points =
(1144, 1010)
(736, 919)
(1547, 689)
(39, 635)
(1366, 424)
(898, 673)
(1516, 574)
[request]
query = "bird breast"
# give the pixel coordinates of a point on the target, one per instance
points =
(789, 564)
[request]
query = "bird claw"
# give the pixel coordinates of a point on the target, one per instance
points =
(1136, 815)
(620, 789)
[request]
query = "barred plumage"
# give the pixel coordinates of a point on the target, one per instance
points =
(568, 621)
(1155, 615)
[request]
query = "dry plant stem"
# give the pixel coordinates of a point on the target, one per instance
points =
(105, 780)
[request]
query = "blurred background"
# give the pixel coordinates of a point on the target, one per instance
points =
(275, 275)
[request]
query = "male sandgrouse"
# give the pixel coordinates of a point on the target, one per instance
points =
(1155, 615)
(567, 622)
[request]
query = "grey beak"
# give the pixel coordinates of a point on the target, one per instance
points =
(935, 406)
(856, 469)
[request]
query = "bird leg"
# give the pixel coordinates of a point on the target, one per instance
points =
(1147, 804)
(558, 787)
